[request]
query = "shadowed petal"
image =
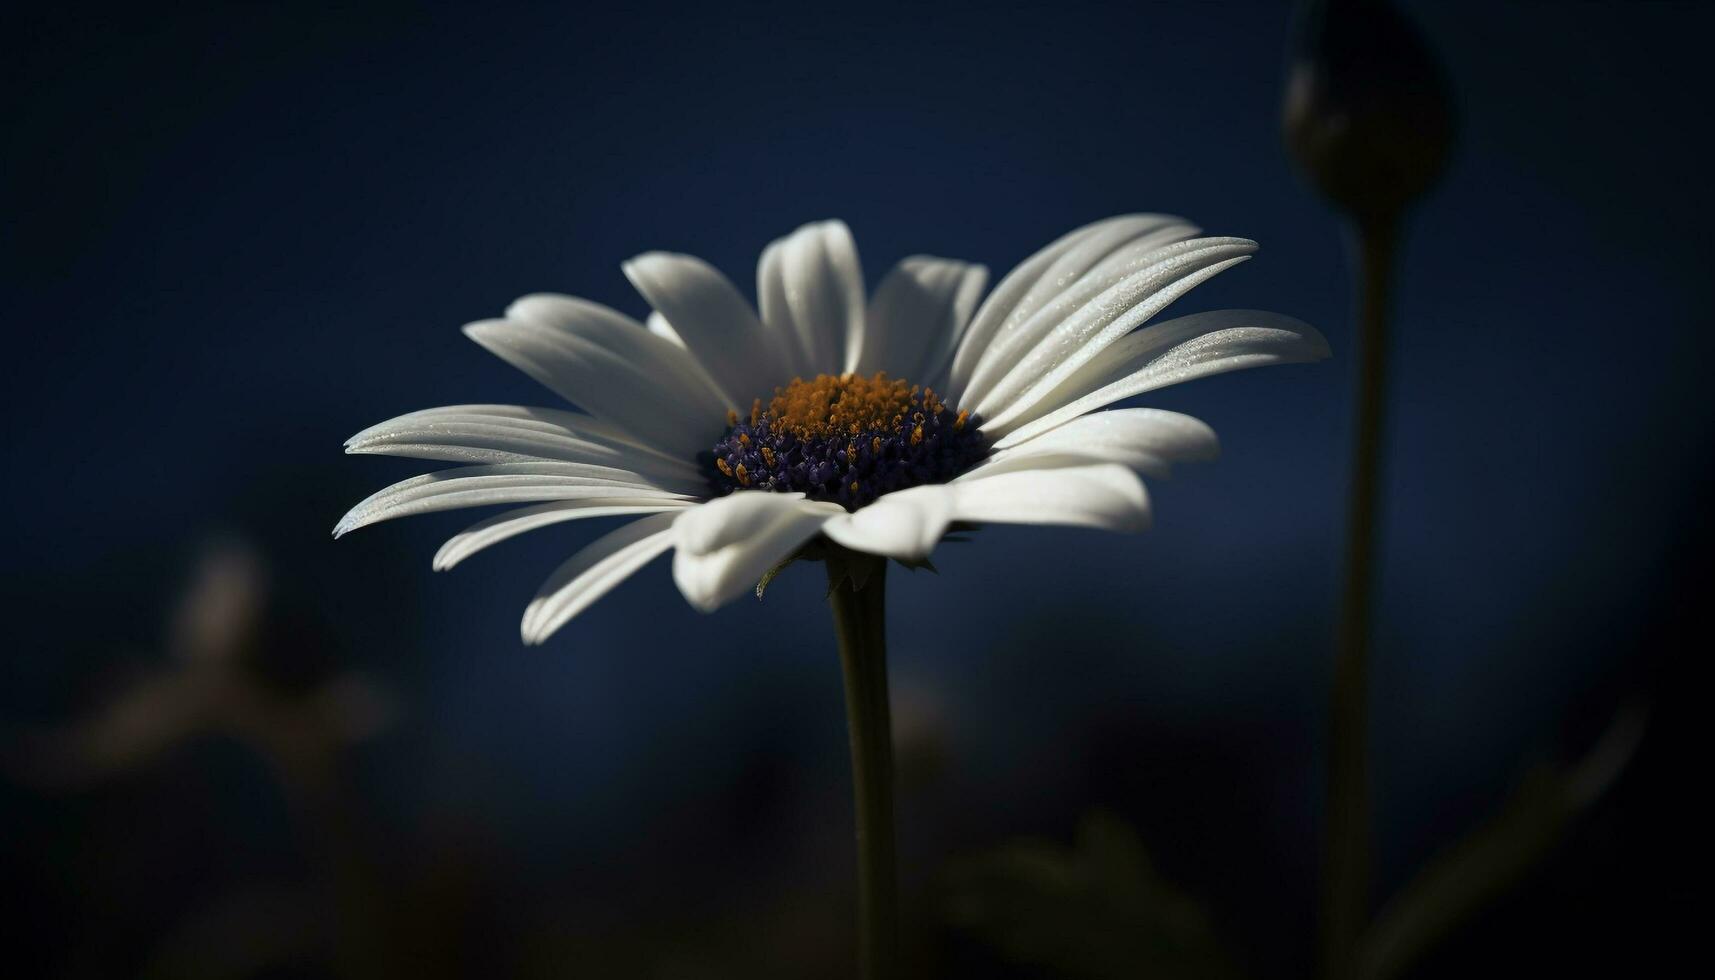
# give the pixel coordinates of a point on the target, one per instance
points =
(1148, 440)
(511, 433)
(916, 316)
(810, 287)
(592, 572)
(715, 322)
(636, 393)
(663, 356)
(502, 483)
(515, 522)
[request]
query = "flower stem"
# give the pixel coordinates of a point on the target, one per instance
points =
(1347, 869)
(860, 615)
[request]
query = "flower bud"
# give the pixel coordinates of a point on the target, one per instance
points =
(1368, 114)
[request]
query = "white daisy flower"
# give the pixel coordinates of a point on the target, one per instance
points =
(874, 424)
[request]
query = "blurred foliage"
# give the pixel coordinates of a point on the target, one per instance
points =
(1100, 910)
(1097, 909)
(1496, 855)
(237, 665)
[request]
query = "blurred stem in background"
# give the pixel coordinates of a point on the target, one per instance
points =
(857, 593)
(1369, 119)
(1347, 867)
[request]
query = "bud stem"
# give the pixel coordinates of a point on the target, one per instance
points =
(1347, 868)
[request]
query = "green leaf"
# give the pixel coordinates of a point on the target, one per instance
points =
(1496, 855)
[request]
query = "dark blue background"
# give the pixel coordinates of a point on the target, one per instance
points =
(236, 235)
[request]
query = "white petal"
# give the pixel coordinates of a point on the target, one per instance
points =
(909, 523)
(509, 433)
(1068, 341)
(1148, 440)
(661, 356)
(810, 287)
(724, 546)
(803, 345)
(1167, 353)
(1094, 264)
(467, 441)
(1011, 290)
(551, 420)
(716, 324)
(904, 525)
(515, 522)
(590, 573)
(1106, 496)
(724, 520)
(659, 326)
(1034, 283)
(502, 483)
(916, 316)
(653, 405)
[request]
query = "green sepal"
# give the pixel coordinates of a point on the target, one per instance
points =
(847, 568)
